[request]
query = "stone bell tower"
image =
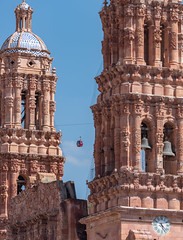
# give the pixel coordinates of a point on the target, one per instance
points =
(137, 190)
(29, 142)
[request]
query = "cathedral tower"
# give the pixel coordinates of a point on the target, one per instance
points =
(29, 142)
(137, 189)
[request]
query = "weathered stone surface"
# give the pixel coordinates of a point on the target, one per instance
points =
(46, 211)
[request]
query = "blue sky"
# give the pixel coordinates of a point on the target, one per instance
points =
(72, 32)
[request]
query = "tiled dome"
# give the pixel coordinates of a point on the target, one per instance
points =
(23, 5)
(26, 40)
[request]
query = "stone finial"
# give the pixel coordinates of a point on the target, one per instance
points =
(105, 3)
(54, 71)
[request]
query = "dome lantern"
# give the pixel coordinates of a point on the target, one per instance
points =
(23, 17)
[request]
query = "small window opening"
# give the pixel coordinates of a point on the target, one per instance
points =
(12, 62)
(30, 63)
(144, 146)
(23, 109)
(25, 23)
(21, 23)
(21, 184)
(146, 44)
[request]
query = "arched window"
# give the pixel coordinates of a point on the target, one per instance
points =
(144, 147)
(21, 183)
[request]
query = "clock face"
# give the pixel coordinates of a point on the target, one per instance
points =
(161, 225)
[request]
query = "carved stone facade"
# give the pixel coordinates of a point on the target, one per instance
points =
(141, 98)
(37, 214)
(29, 142)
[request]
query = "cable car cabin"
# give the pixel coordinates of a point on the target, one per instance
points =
(79, 143)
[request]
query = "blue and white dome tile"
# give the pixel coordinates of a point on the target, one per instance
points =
(24, 40)
(24, 5)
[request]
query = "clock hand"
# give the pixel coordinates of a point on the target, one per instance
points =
(162, 227)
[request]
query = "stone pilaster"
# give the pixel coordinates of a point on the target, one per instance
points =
(8, 102)
(140, 14)
(17, 101)
(129, 35)
(173, 36)
(46, 101)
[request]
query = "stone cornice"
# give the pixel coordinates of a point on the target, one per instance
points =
(136, 73)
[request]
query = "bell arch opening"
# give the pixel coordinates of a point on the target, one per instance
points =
(169, 160)
(145, 147)
(21, 184)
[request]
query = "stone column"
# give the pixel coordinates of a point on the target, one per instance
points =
(136, 144)
(159, 145)
(157, 36)
(46, 105)
(8, 102)
(52, 104)
(125, 134)
(129, 36)
(173, 36)
(97, 146)
(114, 40)
(106, 139)
(17, 100)
(4, 190)
(13, 178)
(140, 14)
(32, 103)
(116, 114)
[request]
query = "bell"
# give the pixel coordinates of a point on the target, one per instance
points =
(145, 144)
(167, 150)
